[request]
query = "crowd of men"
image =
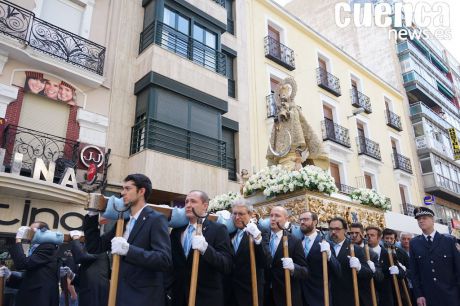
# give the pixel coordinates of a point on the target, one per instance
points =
(156, 263)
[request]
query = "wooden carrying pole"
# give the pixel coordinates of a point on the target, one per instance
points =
(287, 273)
(115, 265)
(252, 258)
(395, 279)
(2, 287)
(325, 278)
(65, 289)
(355, 277)
(406, 292)
(374, 296)
(195, 265)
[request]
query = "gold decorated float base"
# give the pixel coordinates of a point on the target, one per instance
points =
(325, 206)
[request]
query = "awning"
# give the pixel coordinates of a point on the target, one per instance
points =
(403, 223)
(445, 90)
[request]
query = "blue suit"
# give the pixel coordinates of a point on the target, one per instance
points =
(312, 287)
(149, 255)
(436, 270)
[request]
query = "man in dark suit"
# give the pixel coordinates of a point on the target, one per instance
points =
(215, 255)
(240, 293)
(342, 287)
(92, 275)
(275, 290)
(38, 285)
(435, 264)
(356, 234)
(314, 246)
(145, 248)
(384, 285)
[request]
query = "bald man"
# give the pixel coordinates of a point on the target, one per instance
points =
(296, 263)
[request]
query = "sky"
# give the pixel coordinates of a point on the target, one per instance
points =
(452, 44)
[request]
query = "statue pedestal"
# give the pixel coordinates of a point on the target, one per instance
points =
(325, 206)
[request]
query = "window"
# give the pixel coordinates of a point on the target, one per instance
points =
(175, 25)
(64, 14)
(230, 64)
(204, 52)
(335, 173)
(418, 129)
(230, 16)
(368, 180)
(149, 13)
(228, 136)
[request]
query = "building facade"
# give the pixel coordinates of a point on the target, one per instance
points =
(358, 115)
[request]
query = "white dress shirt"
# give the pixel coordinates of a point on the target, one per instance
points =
(278, 235)
(431, 235)
(377, 250)
(312, 238)
(131, 220)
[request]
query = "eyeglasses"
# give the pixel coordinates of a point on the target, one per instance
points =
(304, 219)
(335, 229)
(354, 233)
(239, 214)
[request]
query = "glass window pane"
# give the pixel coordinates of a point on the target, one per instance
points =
(183, 25)
(426, 165)
(149, 13)
(169, 18)
(198, 33)
(210, 40)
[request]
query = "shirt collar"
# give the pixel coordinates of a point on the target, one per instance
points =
(279, 234)
(432, 235)
(377, 249)
(312, 236)
(136, 216)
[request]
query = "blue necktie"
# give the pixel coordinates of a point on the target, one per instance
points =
(307, 245)
(237, 240)
(272, 244)
(131, 225)
(188, 239)
(32, 248)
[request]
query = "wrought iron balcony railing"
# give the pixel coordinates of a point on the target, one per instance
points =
(328, 82)
(345, 189)
(183, 45)
(279, 53)
(336, 133)
(358, 99)
(448, 183)
(393, 120)
(407, 209)
(231, 167)
(402, 163)
(34, 144)
(170, 139)
(368, 147)
(271, 106)
(22, 24)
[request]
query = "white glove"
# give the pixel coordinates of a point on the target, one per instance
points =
(354, 263)
(371, 265)
(120, 246)
(254, 231)
(325, 247)
(5, 272)
(402, 266)
(65, 271)
(75, 235)
(22, 231)
(199, 243)
(288, 264)
(393, 270)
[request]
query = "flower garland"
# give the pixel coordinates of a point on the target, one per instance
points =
(276, 180)
(370, 197)
(223, 201)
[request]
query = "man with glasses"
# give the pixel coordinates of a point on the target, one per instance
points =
(342, 287)
(296, 263)
(314, 246)
(240, 279)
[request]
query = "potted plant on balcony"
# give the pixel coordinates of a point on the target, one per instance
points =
(370, 197)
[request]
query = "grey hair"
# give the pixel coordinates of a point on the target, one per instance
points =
(406, 234)
(244, 203)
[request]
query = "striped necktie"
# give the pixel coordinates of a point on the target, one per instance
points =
(237, 239)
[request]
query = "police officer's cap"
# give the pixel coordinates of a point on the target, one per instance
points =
(423, 211)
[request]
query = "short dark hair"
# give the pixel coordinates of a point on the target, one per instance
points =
(342, 220)
(203, 195)
(141, 181)
(375, 228)
(357, 225)
(41, 225)
(389, 231)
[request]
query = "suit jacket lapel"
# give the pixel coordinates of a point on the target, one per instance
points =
(314, 245)
(344, 250)
(139, 223)
(436, 239)
(243, 242)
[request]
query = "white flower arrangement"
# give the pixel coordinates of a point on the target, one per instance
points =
(276, 180)
(223, 201)
(370, 197)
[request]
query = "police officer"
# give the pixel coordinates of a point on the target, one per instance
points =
(435, 263)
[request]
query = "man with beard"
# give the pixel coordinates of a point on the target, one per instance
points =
(356, 233)
(314, 245)
(342, 287)
(240, 279)
(275, 290)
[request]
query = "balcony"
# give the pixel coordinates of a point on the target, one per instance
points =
(420, 109)
(408, 46)
(166, 138)
(336, 133)
(279, 53)
(328, 82)
(407, 209)
(358, 99)
(40, 35)
(401, 162)
(345, 189)
(368, 147)
(420, 88)
(393, 120)
(183, 45)
(271, 106)
(34, 144)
